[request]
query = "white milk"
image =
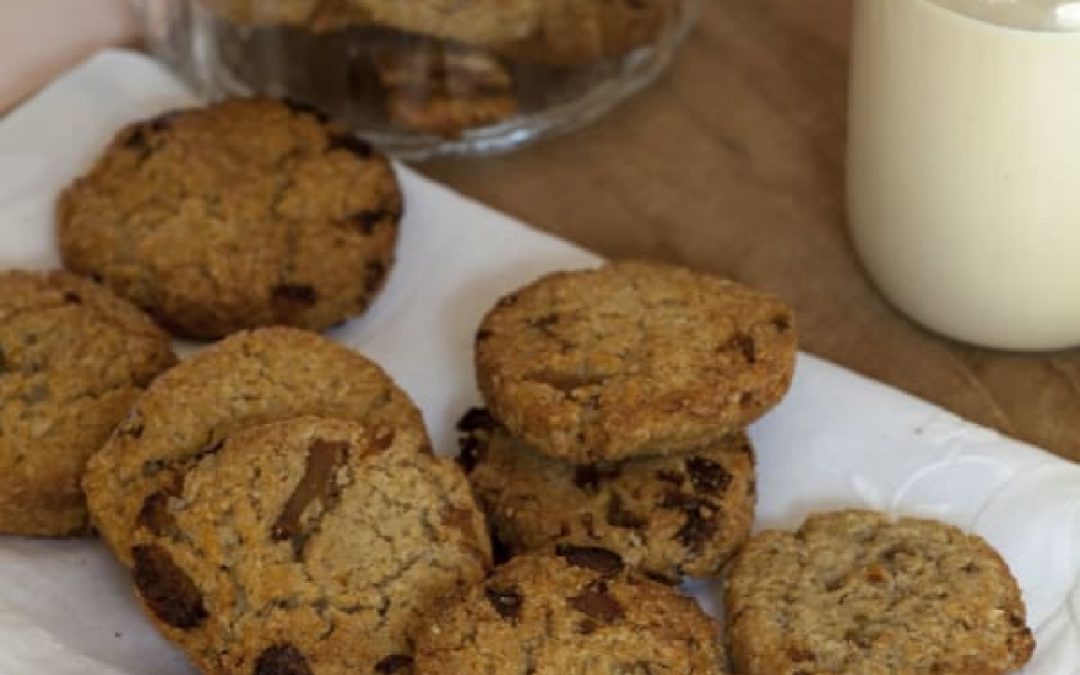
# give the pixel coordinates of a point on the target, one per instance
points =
(964, 165)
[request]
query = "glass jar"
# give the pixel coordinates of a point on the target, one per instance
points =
(426, 77)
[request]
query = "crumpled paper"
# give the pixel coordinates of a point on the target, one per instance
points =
(837, 440)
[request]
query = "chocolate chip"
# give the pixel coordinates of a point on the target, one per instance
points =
(396, 663)
(619, 516)
(782, 323)
(743, 343)
(483, 334)
(163, 121)
(800, 655)
(472, 453)
(507, 300)
(506, 601)
(374, 274)
(352, 144)
(708, 476)
(591, 558)
(304, 108)
(595, 603)
(366, 221)
(300, 294)
(137, 141)
(589, 477)
(72, 298)
(155, 515)
(501, 552)
(167, 590)
(673, 477)
(587, 627)
(319, 483)
(476, 419)
(282, 659)
(3, 363)
(211, 448)
(696, 531)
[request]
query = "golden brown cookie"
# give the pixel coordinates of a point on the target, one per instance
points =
(247, 213)
(854, 592)
(245, 380)
(72, 359)
(478, 22)
(308, 546)
(578, 612)
(313, 14)
(576, 32)
(444, 88)
(633, 359)
(669, 516)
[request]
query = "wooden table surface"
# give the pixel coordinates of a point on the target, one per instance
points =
(733, 163)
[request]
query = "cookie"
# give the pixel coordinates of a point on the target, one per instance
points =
(247, 213)
(675, 516)
(632, 359)
(443, 88)
(248, 379)
(578, 612)
(853, 592)
(577, 32)
(73, 357)
(477, 22)
(316, 15)
(308, 546)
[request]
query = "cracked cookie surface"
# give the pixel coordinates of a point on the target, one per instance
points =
(577, 612)
(247, 213)
(675, 516)
(632, 359)
(248, 379)
(73, 357)
(853, 592)
(308, 546)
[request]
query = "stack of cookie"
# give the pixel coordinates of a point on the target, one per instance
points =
(618, 400)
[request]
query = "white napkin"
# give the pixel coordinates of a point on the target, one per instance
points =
(837, 440)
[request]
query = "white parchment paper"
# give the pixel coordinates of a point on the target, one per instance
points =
(837, 440)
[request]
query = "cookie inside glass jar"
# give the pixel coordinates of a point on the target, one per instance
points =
(429, 77)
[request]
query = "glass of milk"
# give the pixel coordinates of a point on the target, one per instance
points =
(964, 165)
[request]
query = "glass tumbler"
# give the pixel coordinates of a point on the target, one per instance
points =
(421, 78)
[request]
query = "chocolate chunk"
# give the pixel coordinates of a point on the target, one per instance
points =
(352, 144)
(374, 274)
(707, 476)
(304, 108)
(591, 558)
(167, 590)
(299, 294)
(619, 516)
(282, 659)
(472, 453)
(595, 603)
(506, 601)
(589, 477)
(72, 298)
(366, 221)
(476, 419)
(395, 663)
(697, 530)
(155, 515)
(319, 483)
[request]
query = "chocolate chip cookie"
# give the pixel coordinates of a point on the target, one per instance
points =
(73, 357)
(248, 379)
(477, 22)
(444, 88)
(313, 14)
(308, 546)
(247, 213)
(577, 612)
(853, 592)
(674, 516)
(633, 359)
(577, 32)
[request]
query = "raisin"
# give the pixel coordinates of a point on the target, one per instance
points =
(167, 590)
(591, 558)
(506, 601)
(319, 482)
(707, 476)
(395, 663)
(282, 660)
